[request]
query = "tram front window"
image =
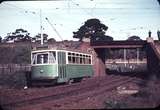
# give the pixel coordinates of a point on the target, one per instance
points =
(52, 57)
(42, 58)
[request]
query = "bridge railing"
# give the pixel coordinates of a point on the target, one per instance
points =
(109, 42)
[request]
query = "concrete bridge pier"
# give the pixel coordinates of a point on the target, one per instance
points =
(153, 61)
(101, 69)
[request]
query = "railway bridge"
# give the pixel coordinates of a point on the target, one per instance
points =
(149, 48)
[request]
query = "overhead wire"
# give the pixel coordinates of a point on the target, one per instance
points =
(26, 11)
(84, 10)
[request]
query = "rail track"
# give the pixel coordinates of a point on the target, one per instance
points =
(74, 92)
(15, 95)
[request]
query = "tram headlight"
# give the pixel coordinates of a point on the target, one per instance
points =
(41, 71)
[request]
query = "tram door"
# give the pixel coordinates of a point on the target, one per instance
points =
(62, 66)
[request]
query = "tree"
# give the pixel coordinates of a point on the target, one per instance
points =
(92, 27)
(38, 37)
(158, 1)
(134, 38)
(51, 40)
(100, 37)
(18, 35)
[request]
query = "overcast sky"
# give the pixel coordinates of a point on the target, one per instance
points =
(123, 17)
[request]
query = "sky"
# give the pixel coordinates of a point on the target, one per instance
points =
(124, 18)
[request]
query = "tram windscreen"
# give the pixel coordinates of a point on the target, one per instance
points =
(44, 58)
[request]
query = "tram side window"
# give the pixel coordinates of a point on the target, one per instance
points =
(84, 59)
(89, 59)
(42, 58)
(78, 58)
(69, 58)
(73, 58)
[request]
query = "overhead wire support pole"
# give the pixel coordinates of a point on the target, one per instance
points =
(138, 56)
(54, 29)
(125, 57)
(41, 27)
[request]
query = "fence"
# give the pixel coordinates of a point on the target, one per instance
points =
(13, 75)
(11, 68)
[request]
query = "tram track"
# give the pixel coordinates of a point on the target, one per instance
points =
(33, 93)
(57, 91)
(79, 97)
(76, 93)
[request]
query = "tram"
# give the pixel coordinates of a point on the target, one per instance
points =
(59, 66)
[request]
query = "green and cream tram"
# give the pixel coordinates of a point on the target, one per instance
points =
(58, 66)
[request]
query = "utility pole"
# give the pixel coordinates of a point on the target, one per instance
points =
(41, 34)
(125, 57)
(138, 56)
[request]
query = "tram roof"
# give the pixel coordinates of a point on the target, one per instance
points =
(52, 48)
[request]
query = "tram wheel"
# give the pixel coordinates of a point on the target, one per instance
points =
(70, 81)
(78, 79)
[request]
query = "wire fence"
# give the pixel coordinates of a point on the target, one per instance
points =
(11, 68)
(13, 75)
